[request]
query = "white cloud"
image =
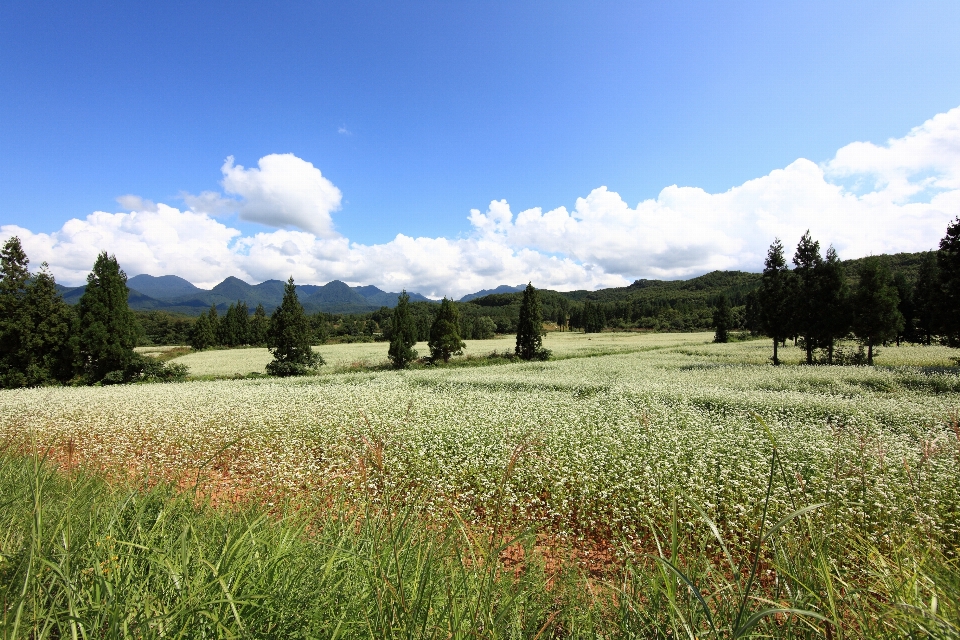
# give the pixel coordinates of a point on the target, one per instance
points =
(284, 192)
(867, 199)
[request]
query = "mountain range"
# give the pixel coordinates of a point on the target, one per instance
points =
(174, 294)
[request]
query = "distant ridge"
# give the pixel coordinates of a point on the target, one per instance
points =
(504, 288)
(174, 294)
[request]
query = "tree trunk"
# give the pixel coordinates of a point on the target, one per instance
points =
(776, 360)
(830, 353)
(870, 354)
(808, 345)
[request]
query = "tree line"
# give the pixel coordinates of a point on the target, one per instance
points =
(814, 303)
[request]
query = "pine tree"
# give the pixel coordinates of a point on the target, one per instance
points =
(530, 327)
(876, 316)
(926, 298)
(289, 337)
(259, 325)
(948, 262)
(722, 320)
(225, 333)
(805, 303)
(214, 321)
(108, 328)
(907, 308)
(403, 334)
(15, 325)
(241, 323)
(445, 333)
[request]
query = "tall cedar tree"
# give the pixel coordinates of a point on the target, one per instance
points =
(259, 325)
(776, 297)
(805, 303)
(53, 343)
(530, 326)
(445, 333)
(876, 316)
(108, 328)
(926, 298)
(204, 334)
(722, 319)
(235, 326)
(907, 309)
(833, 301)
(15, 329)
(403, 334)
(289, 337)
(948, 261)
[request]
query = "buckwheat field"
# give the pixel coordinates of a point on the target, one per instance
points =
(609, 451)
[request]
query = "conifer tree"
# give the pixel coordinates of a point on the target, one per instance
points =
(53, 322)
(108, 328)
(805, 302)
(776, 297)
(289, 337)
(948, 262)
(15, 325)
(907, 308)
(225, 334)
(833, 302)
(530, 326)
(259, 325)
(445, 333)
(403, 334)
(204, 333)
(926, 298)
(722, 320)
(876, 314)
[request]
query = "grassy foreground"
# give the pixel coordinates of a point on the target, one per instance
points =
(84, 559)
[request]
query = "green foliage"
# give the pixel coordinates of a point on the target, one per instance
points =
(108, 328)
(289, 337)
(403, 334)
(876, 314)
(833, 302)
(259, 325)
(445, 332)
(530, 327)
(234, 329)
(205, 330)
(722, 320)
(927, 297)
(775, 297)
(35, 324)
(162, 328)
(948, 262)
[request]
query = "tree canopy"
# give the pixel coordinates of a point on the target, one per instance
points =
(289, 337)
(445, 332)
(530, 327)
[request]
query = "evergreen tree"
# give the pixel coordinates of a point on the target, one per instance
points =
(52, 346)
(289, 337)
(907, 310)
(926, 298)
(776, 297)
(948, 262)
(805, 302)
(445, 333)
(722, 319)
(108, 328)
(15, 325)
(833, 302)
(241, 323)
(225, 332)
(259, 325)
(213, 319)
(876, 316)
(530, 326)
(403, 334)
(202, 335)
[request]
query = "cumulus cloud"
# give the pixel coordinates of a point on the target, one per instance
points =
(284, 192)
(869, 198)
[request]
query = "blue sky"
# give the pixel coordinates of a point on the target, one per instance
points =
(419, 113)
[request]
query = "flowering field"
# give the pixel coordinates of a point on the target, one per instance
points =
(338, 357)
(601, 443)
